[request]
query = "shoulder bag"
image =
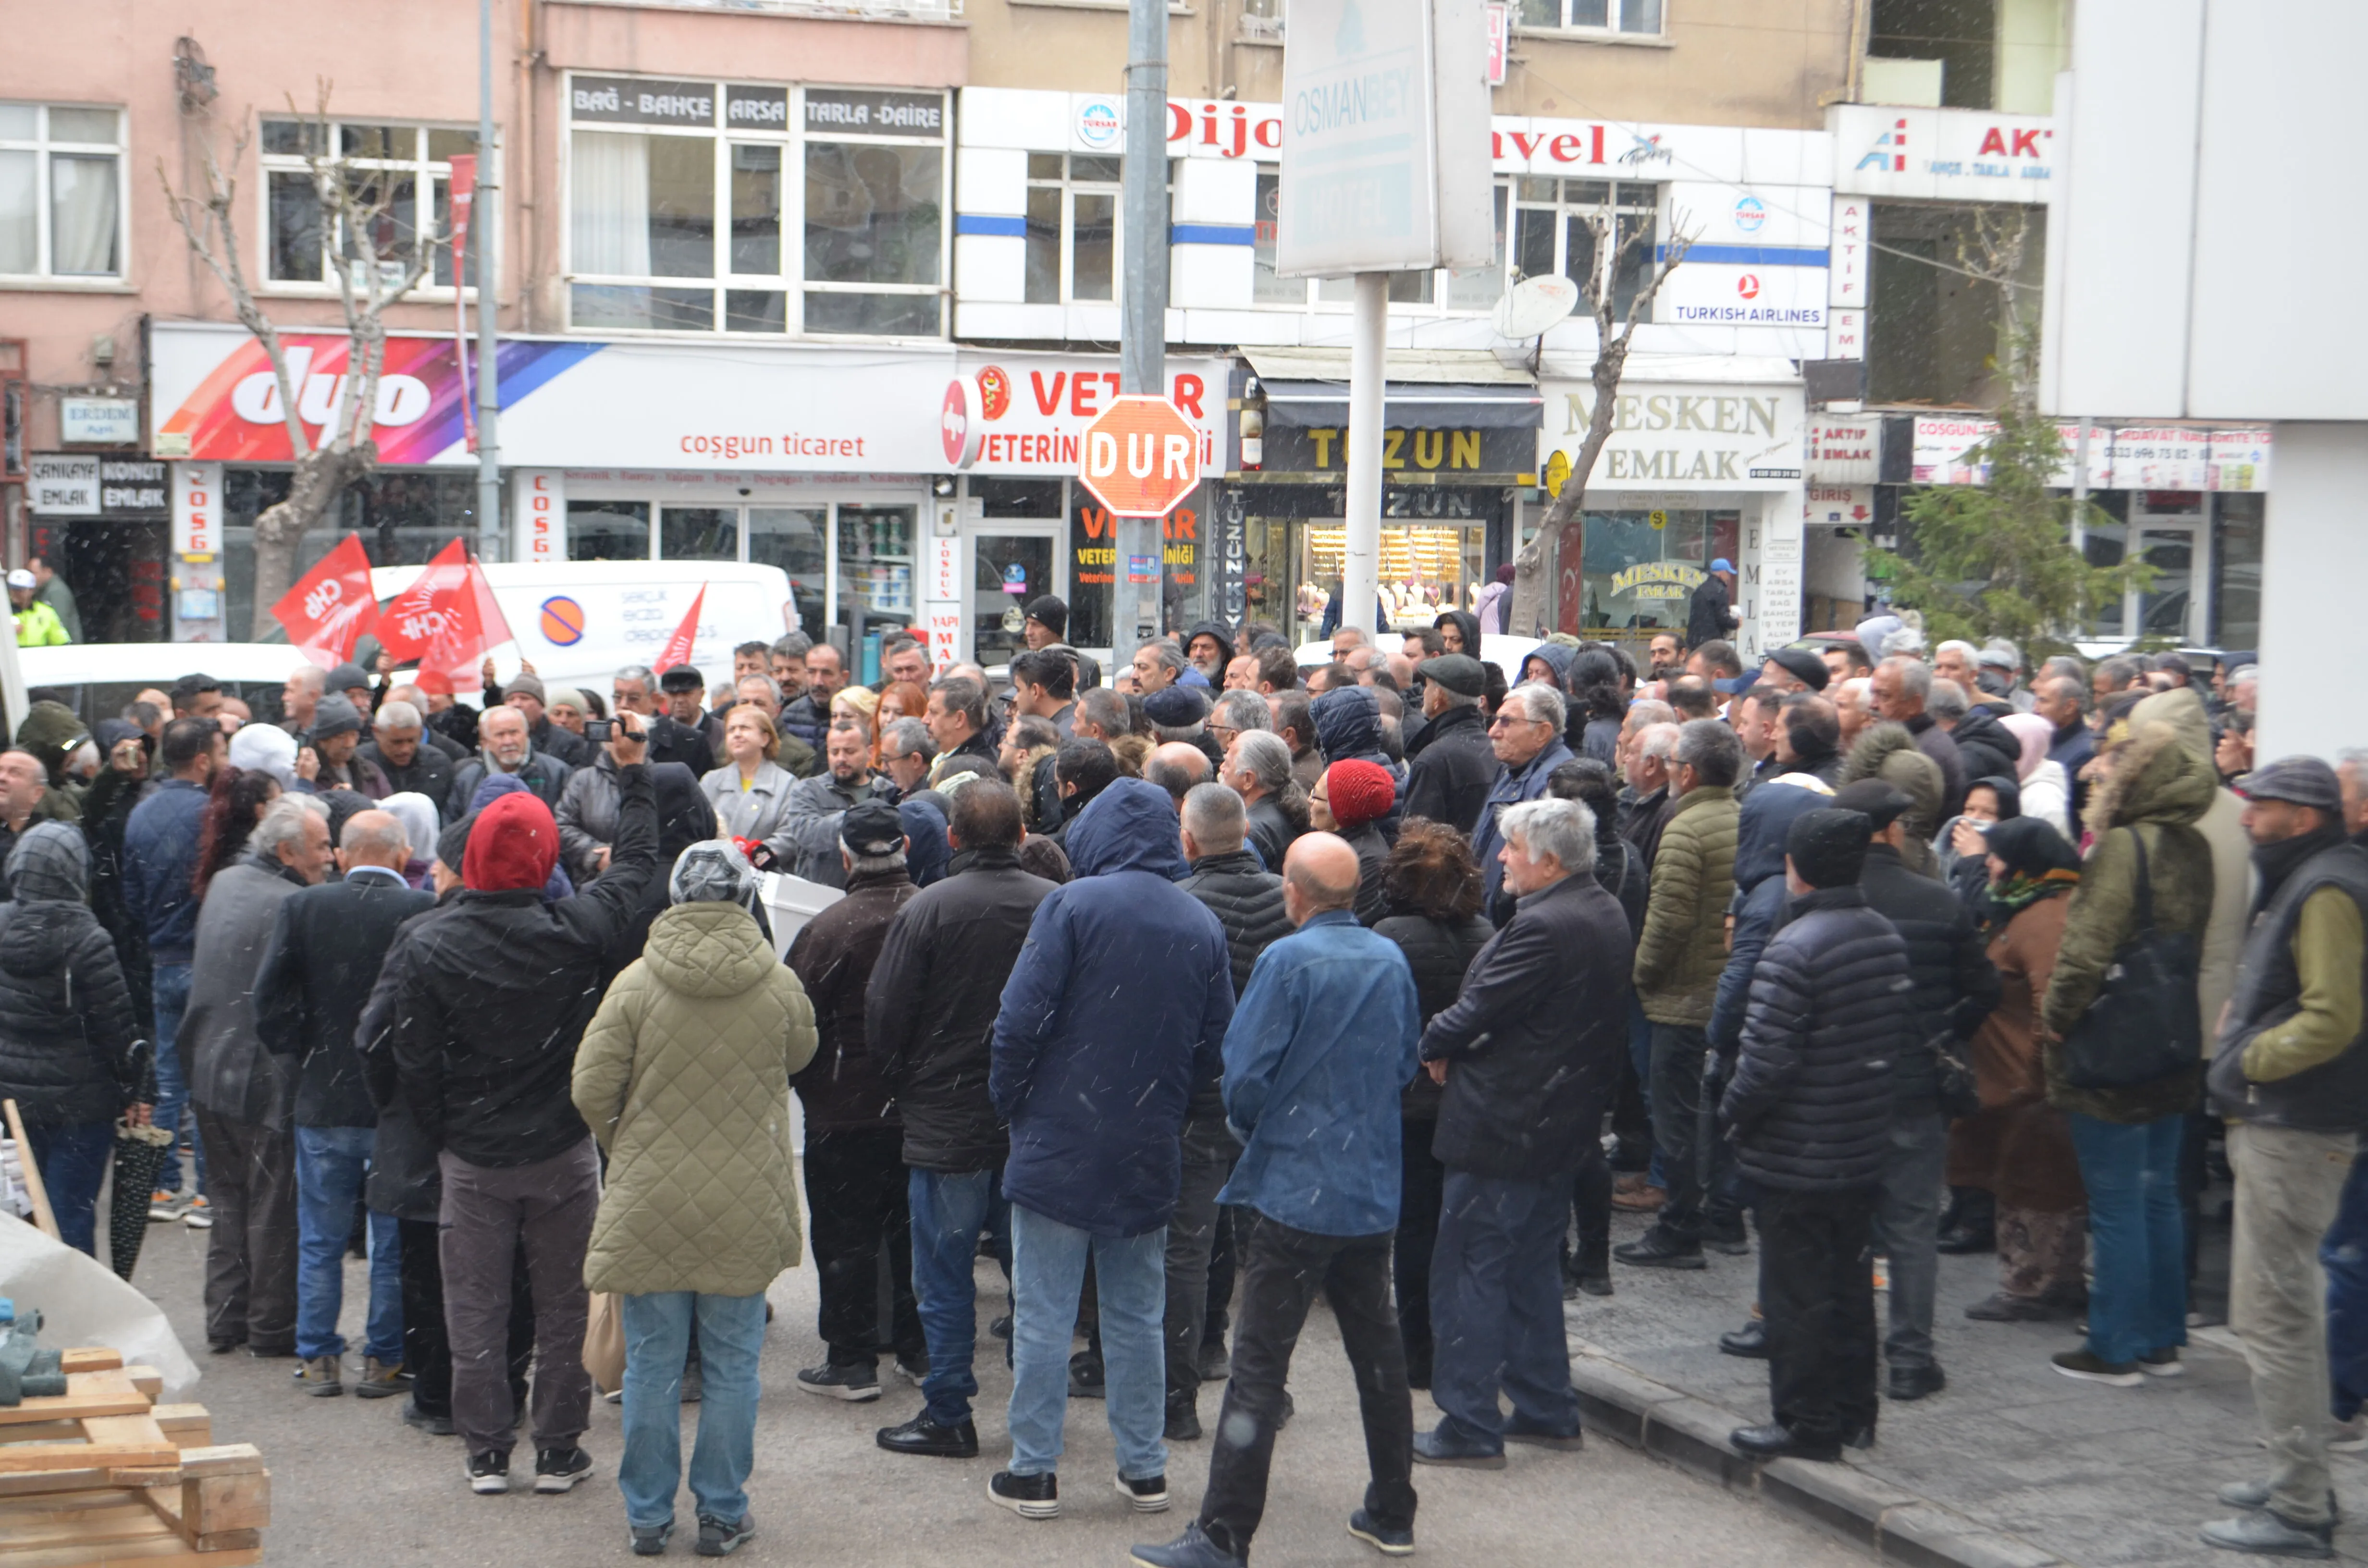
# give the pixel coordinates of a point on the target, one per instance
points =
(2145, 1022)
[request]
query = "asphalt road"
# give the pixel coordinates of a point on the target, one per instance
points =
(352, 1485)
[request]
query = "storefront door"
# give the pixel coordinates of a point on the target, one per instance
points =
(2172, 605)
(1014, 563)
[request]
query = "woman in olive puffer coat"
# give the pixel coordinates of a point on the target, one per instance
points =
(684, 1078)
(2154, 794)
(70, 1050)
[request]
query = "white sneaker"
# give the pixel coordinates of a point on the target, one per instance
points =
(2348, 1436)
(199, 1215)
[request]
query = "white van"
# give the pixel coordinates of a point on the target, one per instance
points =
(579, 621)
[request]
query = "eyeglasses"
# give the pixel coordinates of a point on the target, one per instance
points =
(1501, 719)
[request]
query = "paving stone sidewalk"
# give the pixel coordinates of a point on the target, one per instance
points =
(2012, 1464)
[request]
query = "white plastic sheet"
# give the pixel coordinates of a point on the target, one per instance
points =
(82, 1302)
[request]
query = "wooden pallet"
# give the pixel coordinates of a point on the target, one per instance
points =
(101, 1476)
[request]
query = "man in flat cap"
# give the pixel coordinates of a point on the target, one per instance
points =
(1450, 776)
(2291, 1076)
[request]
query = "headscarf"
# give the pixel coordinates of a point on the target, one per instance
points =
(686, 816)
(714, 871)
(266, 746)
(420, 819)
(2009, 793)
(2040, 863)
(2034, 734)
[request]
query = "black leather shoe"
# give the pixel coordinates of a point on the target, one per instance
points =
(1085, 1375)
(1777, 1441)
(1183, 1420)
(1751, 1341)
(1959, 1240)
(924, 1437)
(1914, 1382)
(1657, 1248)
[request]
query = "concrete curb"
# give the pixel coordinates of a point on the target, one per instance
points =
(1897, 1525)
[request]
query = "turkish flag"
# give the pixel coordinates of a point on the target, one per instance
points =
(447, 621)
(326, 613)
(678, 647)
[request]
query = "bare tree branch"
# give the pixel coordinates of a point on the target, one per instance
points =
(1613, 331)
(351, 212)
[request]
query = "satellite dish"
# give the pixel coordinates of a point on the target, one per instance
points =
(1534, 304)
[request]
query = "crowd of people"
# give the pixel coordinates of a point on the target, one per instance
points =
(1190, 994)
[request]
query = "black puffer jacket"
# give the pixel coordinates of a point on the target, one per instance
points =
(1533, 1042)
(1441, 953)
(1248, 903)
(1954, 983)
(1984, 745)
(69, 1041)
(406, 1178)
(928, 1014)
(1811, 1100)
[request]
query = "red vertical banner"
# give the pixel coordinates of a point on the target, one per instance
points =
(328, 610)
(678, 646)
(465, 202)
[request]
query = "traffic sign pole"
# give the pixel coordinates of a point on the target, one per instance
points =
(1139, 582)
(1361, 563)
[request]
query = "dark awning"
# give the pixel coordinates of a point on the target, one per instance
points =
(1324, 405)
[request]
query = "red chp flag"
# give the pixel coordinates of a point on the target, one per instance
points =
(678, 647)
(447, 621)
(326, 613)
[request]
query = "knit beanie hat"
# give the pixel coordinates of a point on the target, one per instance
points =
(1828, 846)
(1359, 792)
(334, 715)
(513, 844)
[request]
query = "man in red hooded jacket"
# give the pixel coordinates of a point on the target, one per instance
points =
(491, 1004)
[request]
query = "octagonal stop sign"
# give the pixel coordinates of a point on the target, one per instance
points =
(1141, 458)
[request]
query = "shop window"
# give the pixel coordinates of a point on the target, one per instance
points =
(61, 194)
(391, 171)
(608, 530)
(679, 195)
(796, 539)
(1424, 570)
(1591, 15)
(1554, 231)
(875, 570)
(2236, 586)
(1477, 288)
(1636, 568)
(698, 533)
(403, 518)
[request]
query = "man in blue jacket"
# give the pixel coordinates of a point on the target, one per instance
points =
(160, 858)
(1117, 1006)
(1314, 1063)
(1527, 735)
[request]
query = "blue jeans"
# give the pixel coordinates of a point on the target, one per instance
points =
(657, 1340)
(331, 1163)
(1640, 1056)
(1496, 1308)
(74, 1162)
(1048, 1270)
(947, 1213)
(2138, 1301)
(2344, 1255)
(172, 994)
